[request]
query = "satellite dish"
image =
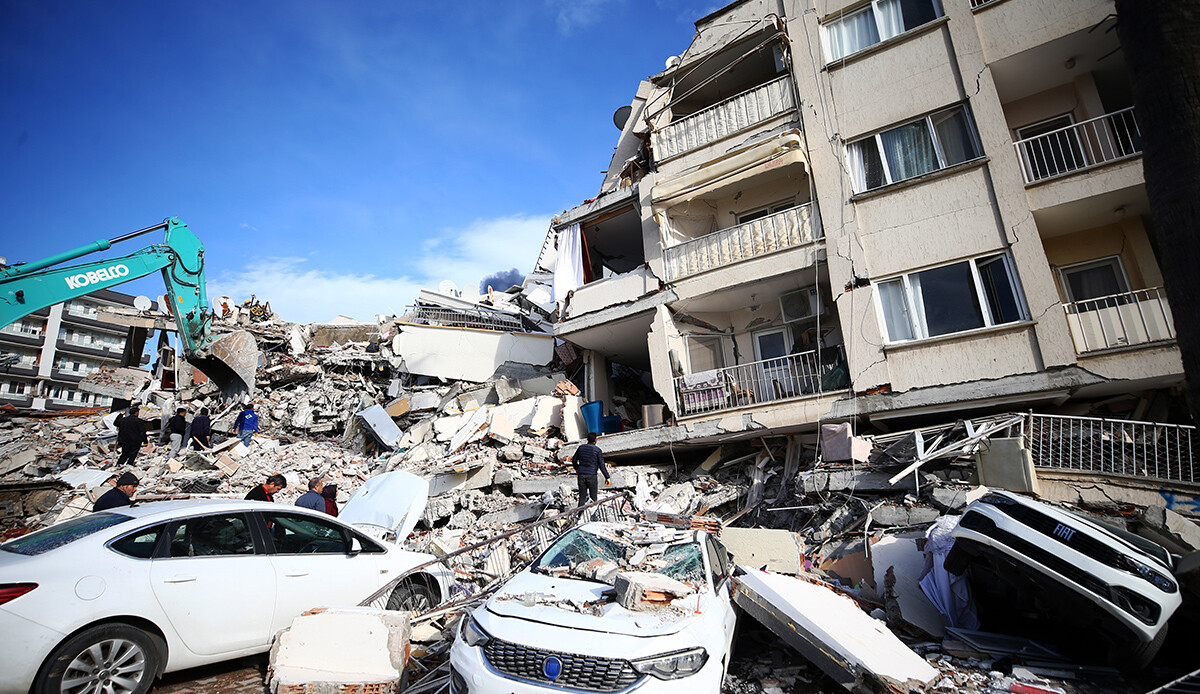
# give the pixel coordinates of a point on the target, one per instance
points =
(469, 292)
(142, 303)
(448, 287)
(621, 117)
(673, 61)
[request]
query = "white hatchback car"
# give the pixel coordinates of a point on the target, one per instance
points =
(110, 600)
(551, 628)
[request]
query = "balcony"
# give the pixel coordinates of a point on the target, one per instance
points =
(1120, 320)
(770, 380)
(1079, 146)
(795, 226)
(726, 118)
(474, 318)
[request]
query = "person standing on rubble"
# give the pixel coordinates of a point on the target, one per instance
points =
(266, 491)
(589, 459)
(131, 436)
(120, 495)
(201, 430)
(246, 424)
(312, 499)
(176, 427)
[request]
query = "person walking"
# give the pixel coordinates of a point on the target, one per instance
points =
(120, 495)
(246, 424)
(589, 459)
(330, 494)
(176, 427)
(312, 499)
(201, 430)
(267, 490)
(131, 436)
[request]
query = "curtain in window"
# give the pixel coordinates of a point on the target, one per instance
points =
(909, 150)
(954, 135)
(890, 18)
(851, 34)
(895, 311)
(1093, 282)
(866, 167)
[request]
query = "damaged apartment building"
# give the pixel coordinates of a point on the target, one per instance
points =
(893, 214)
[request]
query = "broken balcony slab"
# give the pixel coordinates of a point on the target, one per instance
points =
(1169, 529)
(864, 481)
(381, 425)
(898, 566)
(830, 629)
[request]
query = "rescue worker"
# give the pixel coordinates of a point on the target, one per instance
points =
(589, 459)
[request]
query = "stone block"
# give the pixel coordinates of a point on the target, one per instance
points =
(503, 476)
(516, 514)
(508, 389)
(333, 650)
(639, 592)
(1006, 463)
(775, 550)
(893, 515)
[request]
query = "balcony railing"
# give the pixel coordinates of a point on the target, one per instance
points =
(1079, 146)
(791, 227)
(724, 119)
(1120, 320)
(479, 319)
(769, 380)
(1113, 447)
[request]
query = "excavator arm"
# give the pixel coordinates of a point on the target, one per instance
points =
(230, 361)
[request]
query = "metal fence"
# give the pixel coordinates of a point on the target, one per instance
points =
(784, 229)
(769, 380)
(1120, 320)
(1079, 146)
(1113, 446)
(480, 319)
(723, 119)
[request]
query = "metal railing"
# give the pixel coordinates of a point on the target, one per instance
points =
(478, 318)
(981, 3)
(794, 226)
(1079, 146)
(769, 380)
(723, 119)
(1112, 446)
(1120, 320)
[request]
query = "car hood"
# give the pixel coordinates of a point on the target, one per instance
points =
(394, 500)
(564, 602)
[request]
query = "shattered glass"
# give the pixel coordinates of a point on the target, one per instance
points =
(681, 560)
(63, 533)
(683, 563)
(577, 547)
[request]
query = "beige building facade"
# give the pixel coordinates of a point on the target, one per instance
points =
(883, 211)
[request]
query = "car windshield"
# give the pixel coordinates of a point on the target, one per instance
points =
(584, 554)
(63, 533)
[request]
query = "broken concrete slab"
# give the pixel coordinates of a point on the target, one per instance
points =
(776, 550)
(381, 425)
(839, 443)
(516, 514)
(534, 486)
(897, 515)
(1169, 529)
(821, 481)
(1005, 463)
(329, 651)
(417, 434)
(831, 630)
(898, 567)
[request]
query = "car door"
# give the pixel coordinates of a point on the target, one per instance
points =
(722, 579)
(215, 586)
(314, 565)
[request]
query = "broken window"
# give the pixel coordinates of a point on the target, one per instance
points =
(881, 20)
(952, 298)
(577, 547)
(683, 563)
(930, 143)
(63, 533)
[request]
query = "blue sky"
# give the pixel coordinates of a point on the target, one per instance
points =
(333, 156)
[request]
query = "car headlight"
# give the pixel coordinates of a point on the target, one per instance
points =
(673, 666)
(473, 634)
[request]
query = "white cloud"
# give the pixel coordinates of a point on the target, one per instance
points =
(575, 14)
(301, 292)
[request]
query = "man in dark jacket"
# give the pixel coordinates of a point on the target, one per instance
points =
(131, 436)
(120, 495)
(266, 491)
(176, 426)
(201, 430)
(589, 459)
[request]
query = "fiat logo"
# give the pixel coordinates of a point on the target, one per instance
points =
(551, 667)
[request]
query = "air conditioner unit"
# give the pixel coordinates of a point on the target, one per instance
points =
(801, 305)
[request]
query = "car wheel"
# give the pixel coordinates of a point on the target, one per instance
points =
(1138, 657)
(412, 595)
(111, 658)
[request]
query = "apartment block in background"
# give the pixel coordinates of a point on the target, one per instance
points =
(892, 212)
(56, 347)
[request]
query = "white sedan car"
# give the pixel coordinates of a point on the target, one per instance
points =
(110, 600)
(556, 626)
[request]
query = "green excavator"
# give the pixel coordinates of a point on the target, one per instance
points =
(230, 360)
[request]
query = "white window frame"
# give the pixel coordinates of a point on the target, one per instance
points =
(873, 8)
(969, 118)
(1114, 260)
(688, 350)
(771, 209)
(910, 307)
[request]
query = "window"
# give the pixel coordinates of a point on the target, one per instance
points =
(878, 21)
(1094, 279)
(139, 544)
(952, 298)
(705, 353)
(936, 141)
(765, 211)
(63, 533)
(208, 536)
(304, 535)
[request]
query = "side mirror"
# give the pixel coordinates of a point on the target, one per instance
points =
(355, 547)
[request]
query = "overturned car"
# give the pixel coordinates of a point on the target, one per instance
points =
(606, 608)
(1040, 569)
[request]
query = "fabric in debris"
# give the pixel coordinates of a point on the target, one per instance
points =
(950, 594)
(568, 269)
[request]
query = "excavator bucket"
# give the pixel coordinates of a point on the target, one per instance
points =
(231, 363)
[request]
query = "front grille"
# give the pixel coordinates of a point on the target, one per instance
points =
(578, 671)
(1079, 538)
